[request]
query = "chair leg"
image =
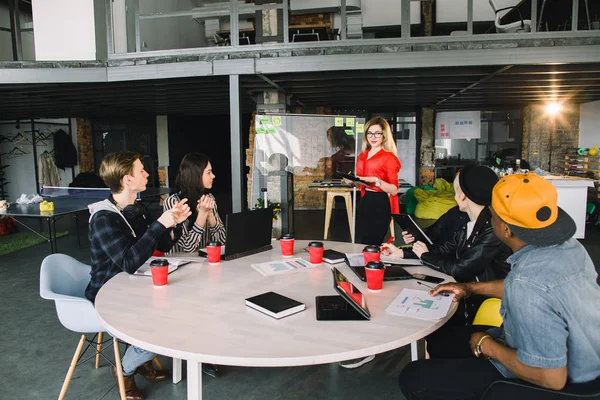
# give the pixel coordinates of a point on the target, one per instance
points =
(119, 368)
(99, 349)
(157, 363)
(65, 386)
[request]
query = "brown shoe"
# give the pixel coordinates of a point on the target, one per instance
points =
(147, 371)
(132, 392)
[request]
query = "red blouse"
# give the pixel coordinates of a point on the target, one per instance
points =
(384, 165)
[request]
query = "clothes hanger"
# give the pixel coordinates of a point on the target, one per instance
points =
(18, 138)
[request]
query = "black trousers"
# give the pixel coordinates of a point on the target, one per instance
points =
(373, 218)
(448, 379)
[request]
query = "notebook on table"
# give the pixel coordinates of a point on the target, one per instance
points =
(174, 263)
(275, 305)
(393, 272)
(333, 256)
(246, 233)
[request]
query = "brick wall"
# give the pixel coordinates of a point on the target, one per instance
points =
(84, 143)
(311, 19)
(546, 138)
(426, 169)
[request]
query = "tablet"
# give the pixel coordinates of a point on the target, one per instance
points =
(408, 224)
(350, 293)
(352, 178)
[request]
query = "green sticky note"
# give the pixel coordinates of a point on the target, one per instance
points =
(276, 120)
(349, 121)
(265, 120)
(271, 130)
(261, 131)
(349, 132)
(360, 128)
(339, 121)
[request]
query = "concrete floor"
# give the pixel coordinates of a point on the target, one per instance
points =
(36, 350)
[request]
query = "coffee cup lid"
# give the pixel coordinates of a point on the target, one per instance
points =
(287, 236)
(213, 244)
(375, 265)
(315, 244)
(159, 262)
(372, 249)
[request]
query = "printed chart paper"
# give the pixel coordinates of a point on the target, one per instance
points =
(282, 266)
(419, 304)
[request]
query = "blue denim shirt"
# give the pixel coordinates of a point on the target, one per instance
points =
(551, 310)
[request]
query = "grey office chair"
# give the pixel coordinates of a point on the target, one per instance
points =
(524, 25)
(518, 389)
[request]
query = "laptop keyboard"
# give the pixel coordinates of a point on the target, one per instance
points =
(247, 253)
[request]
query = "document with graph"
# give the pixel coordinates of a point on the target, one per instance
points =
(282, 266)
(419, 304)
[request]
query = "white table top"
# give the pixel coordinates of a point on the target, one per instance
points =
(201, 314)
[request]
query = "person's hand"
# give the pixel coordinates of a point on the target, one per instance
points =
(389, 249)
(419, 248)
(347, 181)
(206, 204)
(407, 237)
(460, 290)
(475, 337)
(176, 215)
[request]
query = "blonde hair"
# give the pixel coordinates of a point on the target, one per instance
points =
(115, 166)
(388, 139)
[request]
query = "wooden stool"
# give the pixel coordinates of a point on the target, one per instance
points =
(331, 194)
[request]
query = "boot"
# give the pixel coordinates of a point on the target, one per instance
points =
(132, 392)
(147, 371)
(210, 370)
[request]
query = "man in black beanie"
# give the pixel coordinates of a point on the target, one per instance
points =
(475, 254)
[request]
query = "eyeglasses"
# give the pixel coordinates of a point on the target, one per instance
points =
(374, 134)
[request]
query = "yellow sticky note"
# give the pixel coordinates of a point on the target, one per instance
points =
(276, 120)
(360, 128)
(349, 121)
(339, 121)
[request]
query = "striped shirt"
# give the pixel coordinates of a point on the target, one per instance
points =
(196, 237)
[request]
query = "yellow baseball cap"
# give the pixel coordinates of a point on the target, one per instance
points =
(528, 205)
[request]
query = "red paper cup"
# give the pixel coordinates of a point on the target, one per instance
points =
(160, 275)
(371, 253)
(214, 254)
(315, 250)
(287, 247)
(374, 278)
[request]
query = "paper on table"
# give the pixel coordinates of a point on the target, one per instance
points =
(174, 263)
(419, 304)
(282, 266)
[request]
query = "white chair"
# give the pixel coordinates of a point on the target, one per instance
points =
(64, 279)
(524, 25)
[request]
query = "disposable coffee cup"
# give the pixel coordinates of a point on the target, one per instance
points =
(160, 272)
(287, 245)
(374, 270)
(213, 250)
(315, 250)
(371, 253)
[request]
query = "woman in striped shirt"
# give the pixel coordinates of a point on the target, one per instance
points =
(194, 180)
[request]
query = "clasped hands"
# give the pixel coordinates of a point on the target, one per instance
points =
(418, 247)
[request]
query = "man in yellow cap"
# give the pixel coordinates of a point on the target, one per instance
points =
(551, 335)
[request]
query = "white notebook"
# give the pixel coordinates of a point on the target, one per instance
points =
(174, 263)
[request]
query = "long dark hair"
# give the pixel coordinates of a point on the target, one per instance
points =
(189, 179)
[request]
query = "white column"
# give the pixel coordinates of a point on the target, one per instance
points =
(162, 144)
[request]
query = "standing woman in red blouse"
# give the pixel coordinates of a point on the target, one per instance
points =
(378, 165)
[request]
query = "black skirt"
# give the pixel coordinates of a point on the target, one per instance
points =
(373, 218)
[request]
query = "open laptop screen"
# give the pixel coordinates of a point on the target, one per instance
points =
(349, 292)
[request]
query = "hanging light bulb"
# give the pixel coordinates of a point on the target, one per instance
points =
(18, 126)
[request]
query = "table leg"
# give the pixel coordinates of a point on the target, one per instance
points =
(54, 235)
(328, 207)
(52, 250)
(348, 200)
(194, 380)
(77, 229)
(414, 350)
(176, 370)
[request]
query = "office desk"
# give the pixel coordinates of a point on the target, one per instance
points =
(201, 316)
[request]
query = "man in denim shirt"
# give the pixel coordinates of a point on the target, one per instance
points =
(550, 298)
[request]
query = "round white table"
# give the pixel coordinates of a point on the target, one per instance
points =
(201, 316)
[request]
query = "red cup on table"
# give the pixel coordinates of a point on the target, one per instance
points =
(315, 250)
(374, 270)
(160, 272)
(287, 245)
(371, 253)
(213, 251)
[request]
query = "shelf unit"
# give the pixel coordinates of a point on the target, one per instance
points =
(584, 166)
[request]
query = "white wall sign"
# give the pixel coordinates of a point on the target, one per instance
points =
(458, 125)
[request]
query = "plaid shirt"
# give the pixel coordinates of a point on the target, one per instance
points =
(115, 249)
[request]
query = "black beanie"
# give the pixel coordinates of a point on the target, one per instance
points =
(477, 182)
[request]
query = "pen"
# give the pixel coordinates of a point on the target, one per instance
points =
(390, 240)
(432, 287)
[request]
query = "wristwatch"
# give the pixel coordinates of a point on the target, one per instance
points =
(477, 349)
(378, 182)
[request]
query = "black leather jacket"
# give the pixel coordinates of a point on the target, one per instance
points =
(481, 257)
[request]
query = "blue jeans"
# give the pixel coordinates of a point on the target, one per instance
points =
(133, 358)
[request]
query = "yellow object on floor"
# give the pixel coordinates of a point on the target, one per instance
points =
(46, 206)
(432, 204)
